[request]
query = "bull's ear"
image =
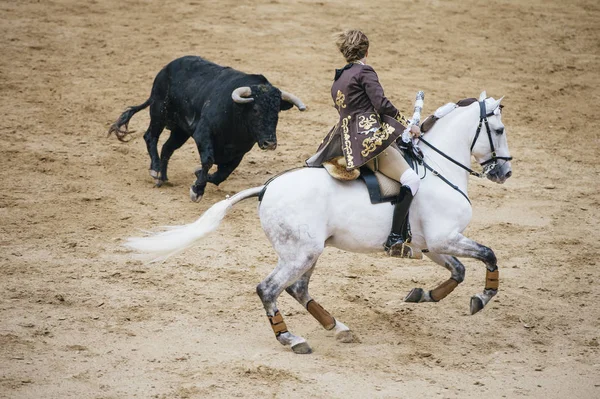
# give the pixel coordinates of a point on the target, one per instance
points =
(285, 105)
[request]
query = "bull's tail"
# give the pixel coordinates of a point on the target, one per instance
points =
(117, 127)
(160, 246)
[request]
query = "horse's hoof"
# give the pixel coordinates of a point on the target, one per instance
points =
(302, 348)
(193, 196)
(345, 337)
(414, 296)
(476, 304)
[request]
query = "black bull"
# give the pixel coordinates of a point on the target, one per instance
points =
(224, 110)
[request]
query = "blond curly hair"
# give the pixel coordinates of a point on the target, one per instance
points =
(353, 44)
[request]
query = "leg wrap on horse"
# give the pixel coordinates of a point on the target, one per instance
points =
(322, 316)
(441, 291)
(492, 280)
(277, 323)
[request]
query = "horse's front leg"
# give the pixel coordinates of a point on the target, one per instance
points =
(461, 246)
(457, 276)
(299, 291)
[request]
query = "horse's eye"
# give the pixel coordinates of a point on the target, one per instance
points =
(499, 131)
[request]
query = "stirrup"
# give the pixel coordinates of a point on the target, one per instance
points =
(401, 249)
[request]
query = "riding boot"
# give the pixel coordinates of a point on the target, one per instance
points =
(397, 244)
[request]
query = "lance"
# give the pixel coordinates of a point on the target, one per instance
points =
(416, 118)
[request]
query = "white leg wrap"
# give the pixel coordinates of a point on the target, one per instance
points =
(411, 179)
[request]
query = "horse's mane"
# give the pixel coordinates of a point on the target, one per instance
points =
(443, 111)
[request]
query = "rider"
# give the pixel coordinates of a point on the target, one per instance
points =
(368, 127)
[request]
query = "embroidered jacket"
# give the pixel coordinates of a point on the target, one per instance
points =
(368, 123)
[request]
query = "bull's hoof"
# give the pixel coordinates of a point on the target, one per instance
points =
(302, 348)
(414, 296)
(154, 174)
(158, 182)
(193, 196)
(476, 304)
(345, 337)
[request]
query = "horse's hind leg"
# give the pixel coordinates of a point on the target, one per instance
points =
(286, 273)
(457, 276)
(462, 246)
(299, 291)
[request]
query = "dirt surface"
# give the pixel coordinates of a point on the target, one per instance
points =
(79, 318)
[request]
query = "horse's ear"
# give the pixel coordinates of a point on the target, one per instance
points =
(482, 96)
(492, 106)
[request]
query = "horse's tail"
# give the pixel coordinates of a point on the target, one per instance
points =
(160, 246)
(117, 127)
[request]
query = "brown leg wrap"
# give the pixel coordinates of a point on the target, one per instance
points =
(277, 323)
(492, 280)
(442, 290)
(322, 316)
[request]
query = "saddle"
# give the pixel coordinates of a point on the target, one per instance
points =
(380, 187)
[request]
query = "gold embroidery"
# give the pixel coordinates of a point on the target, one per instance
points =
(367, 123)
(339, 100)
(370, 144)
(402, 119)
(347, 142)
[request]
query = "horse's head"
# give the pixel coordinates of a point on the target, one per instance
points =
(490, 146)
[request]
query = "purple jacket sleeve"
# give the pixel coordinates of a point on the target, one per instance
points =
(370, 82)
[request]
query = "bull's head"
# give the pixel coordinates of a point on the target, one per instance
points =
(261, 106)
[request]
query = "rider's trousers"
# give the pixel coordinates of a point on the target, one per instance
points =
(392, 164)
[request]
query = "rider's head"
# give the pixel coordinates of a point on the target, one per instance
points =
(353, 44)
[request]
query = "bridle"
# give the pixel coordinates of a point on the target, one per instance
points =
(488, 165)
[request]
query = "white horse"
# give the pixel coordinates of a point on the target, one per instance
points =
(305, 210)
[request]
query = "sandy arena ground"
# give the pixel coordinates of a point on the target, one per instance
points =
(79, 318)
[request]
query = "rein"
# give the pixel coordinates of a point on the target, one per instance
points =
(471, 171)
(488, 165)
(448, 182)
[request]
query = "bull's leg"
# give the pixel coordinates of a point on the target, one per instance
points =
(224, 171)
(151, 136)
(285, 274)
(457, 275)
(205, 149)
(177, 138)
(461, 246)
(299, 291)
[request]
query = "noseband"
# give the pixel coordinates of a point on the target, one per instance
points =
(488, 165)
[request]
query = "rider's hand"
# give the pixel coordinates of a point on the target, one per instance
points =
(415, 130)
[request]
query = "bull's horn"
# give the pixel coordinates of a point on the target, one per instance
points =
(240, 95)
(290, 98)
